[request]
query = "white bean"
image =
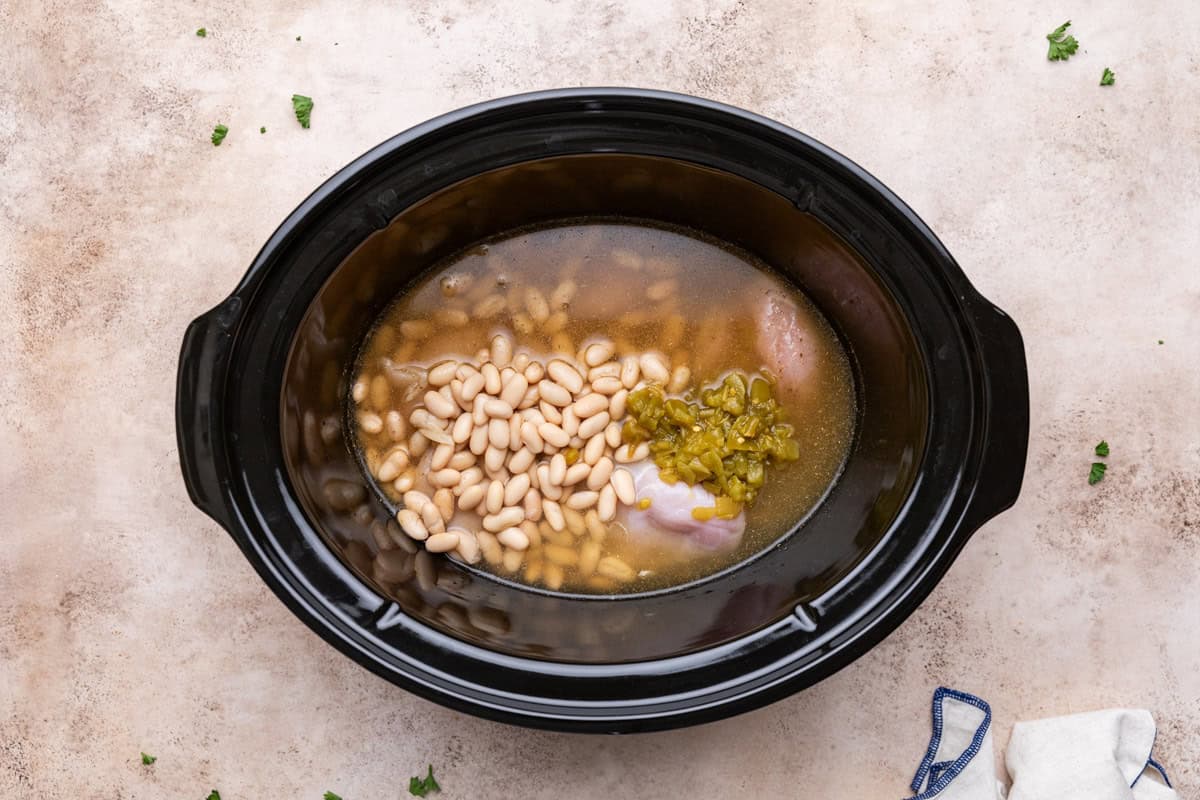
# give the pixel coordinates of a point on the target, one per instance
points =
(520, 461)
(606, 504)
(554, 393)
(536, 305)
(679, 379)
(478, 441)
(432, 518)
(439, 406)
(630, 372)
(501, 352)
(463, 427)
(563, 294)
(612, 435)
(416, 500)
(549, 412)
(444, 500)
(506, 518)
(590, 405)
(495, 497)
(554, 515)
(553, 434)
(607, 385)
(598, 353)
(531, 438)
(396, 427)
(441, 456)
(472, 385)
(490, 548)
(558, 469)
(514, 391)
(627, 455)
(616, 408)
(514, 432)
(654, 367)
(478, 415)
(565, 375)
(516, 489)
(461, 460)
(359, 392)
(533, 505)
(534, 373)
(570, 422)
(615, 568)
(581, 501)
(370, 422)
(497, 409)
(471, 496)
(622, 483)
(593, 425)
(498, 433)
(468, 545)
(491, 378)
(445, 477)
(594, 449)
(575, 473)
(600, 474)
(442, 373)
(493, 460)
(442, 542)
(410, 523)
(514, 538)
(610, 370)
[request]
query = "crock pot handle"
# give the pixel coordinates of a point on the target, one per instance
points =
(1006, 420)
(197, 406)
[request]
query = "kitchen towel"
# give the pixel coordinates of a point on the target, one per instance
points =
(1101, 755)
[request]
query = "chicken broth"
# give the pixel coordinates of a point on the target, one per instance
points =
(491, 405)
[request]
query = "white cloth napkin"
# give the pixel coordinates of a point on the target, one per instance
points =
(1102, 755)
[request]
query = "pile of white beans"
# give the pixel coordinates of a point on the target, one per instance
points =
(511, 455)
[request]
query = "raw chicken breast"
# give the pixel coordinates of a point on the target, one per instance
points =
(785, 343)
(670, 512)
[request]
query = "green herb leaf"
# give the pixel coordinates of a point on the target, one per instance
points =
(148, 760)
(1102, 448)
(332, 796)
(1098, 469)
(1108, 78)
(423, 786)
(1160, 341)
(213, 795)
(263, 129)
(297, 38)
(1062, 46)
(202, 32)
(303, 107)
(219, 135)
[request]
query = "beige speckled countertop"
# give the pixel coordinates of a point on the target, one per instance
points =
(129, 621)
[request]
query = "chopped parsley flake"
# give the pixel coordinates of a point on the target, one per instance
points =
(1098, 469)
(1108, 78)
(218, 135)
(420, 787)
(303, 107)
(1102, 448)
(202, 32)
(1062, 45)
(148, 760)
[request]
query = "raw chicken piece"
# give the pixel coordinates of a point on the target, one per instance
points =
(785, 342)
(670, 512)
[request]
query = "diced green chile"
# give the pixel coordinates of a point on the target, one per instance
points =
(725, 441)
